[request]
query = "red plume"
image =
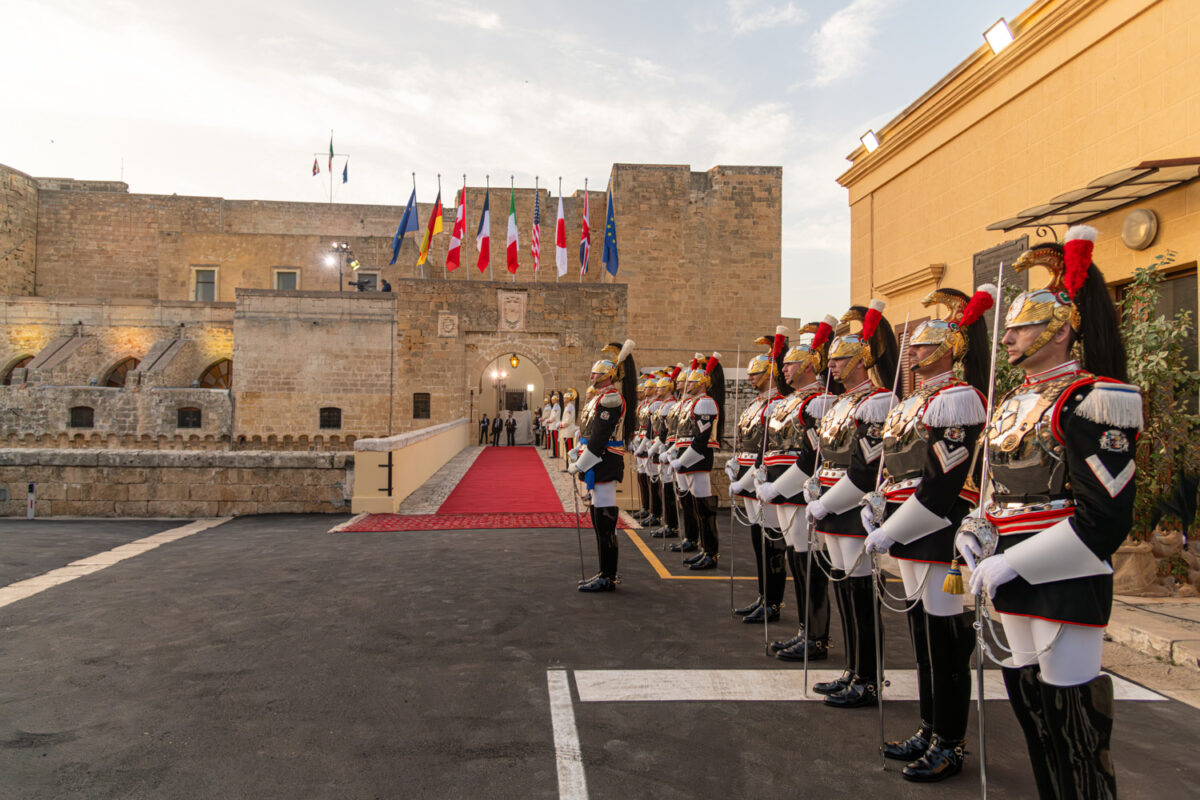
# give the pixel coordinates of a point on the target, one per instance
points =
(695, 363)
(712, 363)
(983, 299)
(871, 319)
(824, 332)
(777, 348)
(675, 374)
(1077, 257)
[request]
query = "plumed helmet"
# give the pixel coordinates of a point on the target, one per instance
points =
(815, 352)
(857, 346)
(949, 333)
(1054, 304)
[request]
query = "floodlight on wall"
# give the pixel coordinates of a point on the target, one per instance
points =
(870, 141)
(999, 36)
(330, 260)
(529, 387)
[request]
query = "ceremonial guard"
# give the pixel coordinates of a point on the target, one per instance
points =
(661, 478)
(553, 423)
(1061, 457)
(687, 511)
(566, 426)
(790, 459)
(701, 420)
(851, 444)
(743, 467)
(601, 461)
(646, 515)
(928, 441)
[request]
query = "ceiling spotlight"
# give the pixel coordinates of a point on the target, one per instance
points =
(870, 141)
(999, 36)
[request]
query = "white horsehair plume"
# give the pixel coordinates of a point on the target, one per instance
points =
(626, 349)
(831, 321)
(781, 330)
(877, 304)
(1081, 232)
(991, 289)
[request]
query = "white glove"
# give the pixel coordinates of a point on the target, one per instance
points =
(816, 510)
(868, 520)
(879, 542)
(990, 574)
(809, 497)
(675, 464)
(665, 457)
(654, 448)
(573, 469)
(767, 492)
(731, 468)
(968, 547)
(734, 488)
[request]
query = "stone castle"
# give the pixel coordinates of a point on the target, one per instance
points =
(136, 322)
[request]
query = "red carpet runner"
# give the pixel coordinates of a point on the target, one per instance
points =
(504, 480)
(506, 487)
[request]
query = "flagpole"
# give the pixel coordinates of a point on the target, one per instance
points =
(535, 200)
(416, 207)
(331, 166)
(512, 188)
(556, 275)
(491, 267)
(585, 215)
(466, 223)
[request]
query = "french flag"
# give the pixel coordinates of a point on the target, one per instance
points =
(483, 235)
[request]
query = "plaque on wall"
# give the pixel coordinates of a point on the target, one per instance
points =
(512, 310)
(447, 324)
(986, 263)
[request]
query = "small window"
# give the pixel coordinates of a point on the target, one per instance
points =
(188, 418)
(420, 405)
(331, 418)
(82, 417)
(20, 364)
(204, 280)
(287, 280)
(218, 376)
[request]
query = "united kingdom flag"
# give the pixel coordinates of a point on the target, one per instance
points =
(585, 238)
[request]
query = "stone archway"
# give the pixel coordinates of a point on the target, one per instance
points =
(509, 390)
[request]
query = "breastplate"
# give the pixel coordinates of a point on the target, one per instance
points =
(589, 410)
(751, 427)
(837, 429)
(786, 430)
(671, 421)
(905, 436)
(1025, 457)
(687, 423)
(643, 415)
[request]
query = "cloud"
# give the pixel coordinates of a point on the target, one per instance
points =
(762, 16)
(464, 15)
(840, 47)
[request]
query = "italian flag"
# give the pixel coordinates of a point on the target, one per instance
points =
(513, 244)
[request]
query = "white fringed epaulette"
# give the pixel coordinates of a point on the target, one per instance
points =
(955, 406)
(875, 408)
(705, 406)
(819, 405)
(1116, 404)
(610, 400)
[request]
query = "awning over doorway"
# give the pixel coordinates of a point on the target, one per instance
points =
(1106, 194)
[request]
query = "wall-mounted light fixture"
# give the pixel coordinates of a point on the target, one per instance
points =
(999, 36)
(870, 141)
(514, 360)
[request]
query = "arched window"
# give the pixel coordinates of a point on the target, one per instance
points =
(188, 417)
(18, 364)
(331, 417)
(82, 417)
(116, 376)
(218, 376)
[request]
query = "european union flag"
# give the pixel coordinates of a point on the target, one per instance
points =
(408, 224)
(609, 256)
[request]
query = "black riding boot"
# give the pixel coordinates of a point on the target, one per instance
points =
(863, 687)
(812, 592)
(656, 504)
(691, 525)
(841, 591)
(706, 511)
(605, 519)
(1082, 719)
(915, 746)
(1025, 697)
(951, 642)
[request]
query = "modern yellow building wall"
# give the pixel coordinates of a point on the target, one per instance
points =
(1088, 87)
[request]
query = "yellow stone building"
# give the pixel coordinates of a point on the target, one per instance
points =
(1013, 146)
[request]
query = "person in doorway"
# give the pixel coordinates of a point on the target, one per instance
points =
(484, 427)
(510, 429)
(497, 426)
(537, 427)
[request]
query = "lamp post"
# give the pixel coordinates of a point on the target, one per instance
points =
(528, 395)
(498, 377)
(338, 253)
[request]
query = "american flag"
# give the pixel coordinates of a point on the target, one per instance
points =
(535, 240)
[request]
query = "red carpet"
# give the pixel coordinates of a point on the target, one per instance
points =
(504, 480)
(380, 523)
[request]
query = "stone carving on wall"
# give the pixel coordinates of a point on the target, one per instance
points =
(447, 325)
(571, 339)
(512, 310)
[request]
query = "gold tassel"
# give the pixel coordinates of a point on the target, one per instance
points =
(954, 582)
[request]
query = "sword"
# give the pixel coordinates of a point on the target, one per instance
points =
(878, 505)
(809, 555)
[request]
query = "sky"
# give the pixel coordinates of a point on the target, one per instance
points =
(232, 99)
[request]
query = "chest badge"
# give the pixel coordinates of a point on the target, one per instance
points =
(1114, 441)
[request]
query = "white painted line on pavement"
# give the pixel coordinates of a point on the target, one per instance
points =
(86, 566)
(766, 685)
(572, 783)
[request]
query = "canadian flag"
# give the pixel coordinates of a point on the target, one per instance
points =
(560, 240)
(460, 230)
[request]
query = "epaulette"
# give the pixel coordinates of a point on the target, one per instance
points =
(954, 406)
(1111, 403)
(875, 408)
(705, 405)
(819, 404)
(610, 400)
